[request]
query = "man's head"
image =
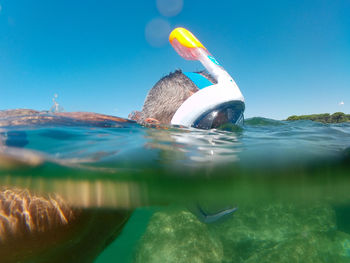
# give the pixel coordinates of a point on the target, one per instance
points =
(166, 96)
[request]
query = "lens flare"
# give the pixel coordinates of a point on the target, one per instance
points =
(157, 31)
(169, 7)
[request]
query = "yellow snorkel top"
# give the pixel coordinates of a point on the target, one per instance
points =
(185, 38)
(190, 48)
(186, 44)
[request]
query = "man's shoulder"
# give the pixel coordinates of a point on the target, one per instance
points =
(28, 117)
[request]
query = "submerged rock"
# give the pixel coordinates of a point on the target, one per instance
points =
(255, 233)
(178, 236)
(256, 228)
(316, 247)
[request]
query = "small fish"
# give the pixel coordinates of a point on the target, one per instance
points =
(211, 218)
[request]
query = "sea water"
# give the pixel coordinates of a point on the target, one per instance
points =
(290, 183)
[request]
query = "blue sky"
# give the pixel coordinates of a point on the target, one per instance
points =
(287, 57)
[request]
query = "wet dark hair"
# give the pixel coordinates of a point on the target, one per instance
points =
(166, 96)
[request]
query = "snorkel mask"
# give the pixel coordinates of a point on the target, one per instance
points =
(214, 105)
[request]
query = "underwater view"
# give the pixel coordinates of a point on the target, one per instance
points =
(269, 191)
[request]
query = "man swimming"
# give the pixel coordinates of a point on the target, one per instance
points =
(203, 100)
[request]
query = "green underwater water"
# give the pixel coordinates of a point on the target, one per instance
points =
(289, 180)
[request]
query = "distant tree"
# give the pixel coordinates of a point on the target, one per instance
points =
(293, 118)
(336, 117)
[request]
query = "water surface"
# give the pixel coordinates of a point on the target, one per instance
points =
(289, 180)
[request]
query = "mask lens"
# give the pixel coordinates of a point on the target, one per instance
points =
(229, 113)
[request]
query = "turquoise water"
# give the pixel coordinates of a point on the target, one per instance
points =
(289, 180)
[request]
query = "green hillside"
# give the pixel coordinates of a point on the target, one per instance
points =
(336, 117)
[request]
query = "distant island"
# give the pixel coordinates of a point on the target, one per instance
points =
(324, 118)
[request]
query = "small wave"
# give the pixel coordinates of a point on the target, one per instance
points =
(260, 121)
